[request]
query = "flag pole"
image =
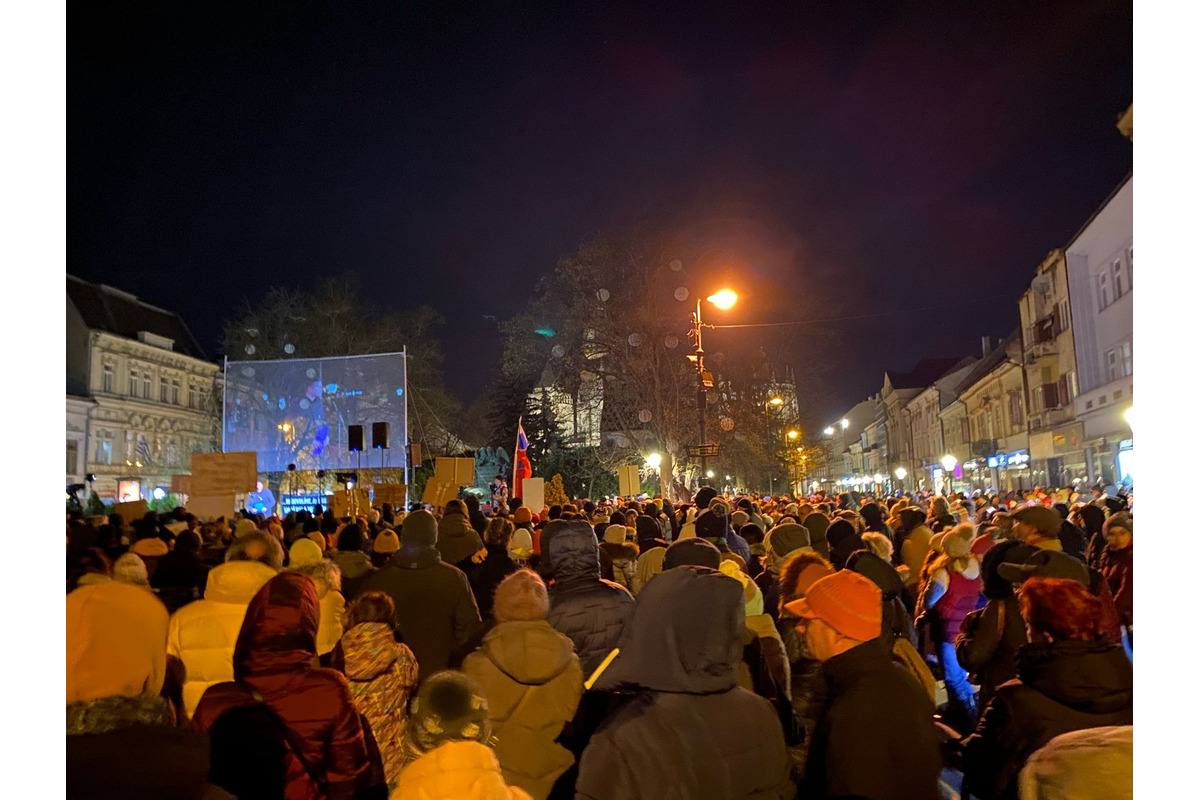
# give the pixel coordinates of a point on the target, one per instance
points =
(516, 490)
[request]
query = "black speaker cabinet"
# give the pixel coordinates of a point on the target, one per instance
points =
(379, 435)
(356, 438)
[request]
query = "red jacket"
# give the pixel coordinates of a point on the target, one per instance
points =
(275, 655)
(1117, 568)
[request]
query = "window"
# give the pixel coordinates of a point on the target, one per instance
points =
(1072, 385)
(72, 456)
(1016, 412)
(1103, 290)
(133, 382)
(1129, 265)
(1126, 350)
(162, 390)
(145, 385)
(1111, 358)
(965, 430)
(1064, 315)
(1118, 279)
(103, 447)
(175, 391)
(1038, 400)
(107, 379)
(192, 396)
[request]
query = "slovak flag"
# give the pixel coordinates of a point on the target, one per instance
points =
(522, 469)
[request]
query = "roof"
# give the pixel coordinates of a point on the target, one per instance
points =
(923, 375)
(104, 308)
(996, 356)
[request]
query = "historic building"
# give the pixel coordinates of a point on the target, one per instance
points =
(147, 387)
(994, 404)
(1048, 345)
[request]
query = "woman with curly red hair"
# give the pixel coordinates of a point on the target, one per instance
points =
(1069, 677)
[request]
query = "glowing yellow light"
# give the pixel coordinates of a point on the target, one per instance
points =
(723, 299)
(776, 401)
(948, 461)
(901, 473)
(653, 460)
(845, 424)
(793, 434)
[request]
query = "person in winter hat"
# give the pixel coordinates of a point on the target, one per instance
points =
(697, 552)
(1090, 518)
(1069, 677)
(181, 574)
(782, 542)
(953, 592)
(352, 562)
(590, 611)
(713, 527)
(649, 533)
(1038, 527)
(520, 549)
(532, 680)
(870, 707)
(305, 557)
(273, 664)
(816, 524)
(122, 739)
(1116, 565)
(913, 537)
(447, 743)
(382, 674)
(435, 609)
(673, 737)
(622, 553)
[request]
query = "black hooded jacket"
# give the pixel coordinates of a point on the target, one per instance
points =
(689, 731)
(590, 611)
(1060, 687)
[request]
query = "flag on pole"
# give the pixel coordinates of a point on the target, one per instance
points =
(522, 469)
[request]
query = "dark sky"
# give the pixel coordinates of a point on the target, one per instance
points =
(878, 156)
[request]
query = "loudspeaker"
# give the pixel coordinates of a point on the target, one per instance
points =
(379, 435)
(356, 438)
(414, 455)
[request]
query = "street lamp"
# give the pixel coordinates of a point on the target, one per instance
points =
(829, 431)
(793, 434)
(948, 464)
(1129, 418)
(724, 299)
(653, 461)
(845, 423)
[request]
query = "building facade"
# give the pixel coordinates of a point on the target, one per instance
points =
(1048, 345)
(1100, 275)
(78, 411)
(149, 387)
(994, 403)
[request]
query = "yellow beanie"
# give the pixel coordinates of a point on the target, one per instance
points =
(303, 553)
(116, 642)
(387, 541)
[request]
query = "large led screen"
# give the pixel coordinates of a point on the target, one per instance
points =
(299, 411)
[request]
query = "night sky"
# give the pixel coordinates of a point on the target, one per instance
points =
(882, 157)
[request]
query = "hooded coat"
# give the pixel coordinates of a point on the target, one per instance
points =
(817, 523)
(202, 634)
(914, 547)
(456, 539)
(689, 731)
(1060, 687)
(533, 681)
(273, 657)
(383, 677)
(591, 611)
(623, 555)
(435, 610)
(1093, 522)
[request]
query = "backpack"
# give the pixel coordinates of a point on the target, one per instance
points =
(904, 654)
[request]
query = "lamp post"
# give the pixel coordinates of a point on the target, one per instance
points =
(654, 461)
(948, 464)
(723, 299)
(901, 474)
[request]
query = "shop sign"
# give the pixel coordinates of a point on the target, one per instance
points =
(1014, 459)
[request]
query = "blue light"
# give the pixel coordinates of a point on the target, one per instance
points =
(265, 397)
(282, 404)
(331, 387)
(399, 392)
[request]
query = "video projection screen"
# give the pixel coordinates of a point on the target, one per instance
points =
(298, 410)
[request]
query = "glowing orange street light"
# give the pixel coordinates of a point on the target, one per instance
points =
(723, 299)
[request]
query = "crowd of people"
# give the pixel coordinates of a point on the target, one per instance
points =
(841, 646)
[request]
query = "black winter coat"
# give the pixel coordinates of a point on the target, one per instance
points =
(590, 611)
(435, 609)
(689, 731)
(486, 576)
(1061, 687)
(875, 738)
(988, 643)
